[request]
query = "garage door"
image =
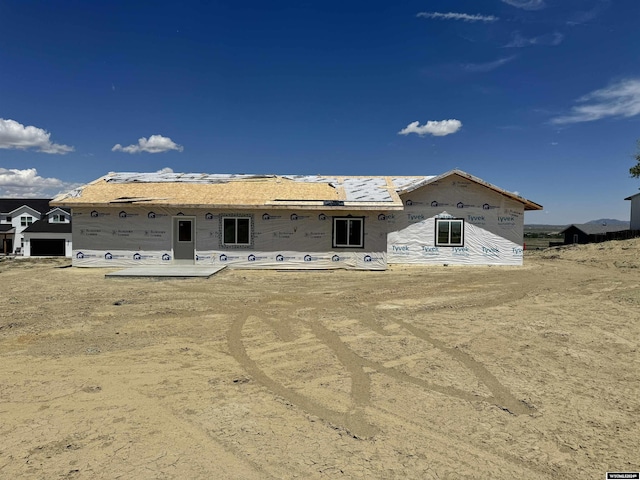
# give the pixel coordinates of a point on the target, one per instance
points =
(45, 247)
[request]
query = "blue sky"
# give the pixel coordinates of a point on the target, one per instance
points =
(540, 97)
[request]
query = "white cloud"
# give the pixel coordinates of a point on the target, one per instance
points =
(549, 39)
(25, 178)
(437, 129)
(583, 17)
(620, 99)
(488, 66)
(27, 183)
(465, 17)
(165, 170)
(17, 136)
(526, 4)
(155, 144)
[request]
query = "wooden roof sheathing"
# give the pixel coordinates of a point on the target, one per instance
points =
(258, 191)
(233, 191)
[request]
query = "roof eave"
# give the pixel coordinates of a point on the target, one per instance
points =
(364, 206)
(26, 207)
(528, 204)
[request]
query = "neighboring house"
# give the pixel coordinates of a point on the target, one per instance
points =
(16, 215)
(49, 236)
(635, 211)
(294, 221)
(592, 233)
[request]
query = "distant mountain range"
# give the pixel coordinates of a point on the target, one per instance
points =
(600, 221)
(610, 221)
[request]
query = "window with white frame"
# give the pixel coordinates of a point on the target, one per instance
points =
(58, 218)
(449, 232)
(236, 231)
(348, 232)
(25, 221)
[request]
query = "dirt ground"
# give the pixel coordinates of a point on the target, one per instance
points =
(414, 373)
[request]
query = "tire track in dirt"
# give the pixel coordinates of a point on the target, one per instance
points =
(354, 420)
(360, 380)
(441, 442)
(502, 397)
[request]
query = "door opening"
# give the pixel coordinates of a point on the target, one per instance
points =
(184, 242)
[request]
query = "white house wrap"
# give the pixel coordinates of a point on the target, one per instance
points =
(492, 225)
(281, 239)
(294, 222)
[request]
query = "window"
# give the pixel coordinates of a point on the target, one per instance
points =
(184, 231)
(58, 218)
(26, 221)
(348, 232)
(449, 232)
(236, 231)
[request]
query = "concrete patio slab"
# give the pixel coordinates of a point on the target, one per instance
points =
(167, 271)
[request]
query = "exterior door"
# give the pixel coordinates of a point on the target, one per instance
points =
(184, 242)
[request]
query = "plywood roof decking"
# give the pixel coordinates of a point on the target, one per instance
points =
(237, 191)
(251, 191)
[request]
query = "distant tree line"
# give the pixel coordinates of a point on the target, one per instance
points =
(635, 170)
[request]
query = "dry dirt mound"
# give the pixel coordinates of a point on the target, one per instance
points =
(616, 253)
